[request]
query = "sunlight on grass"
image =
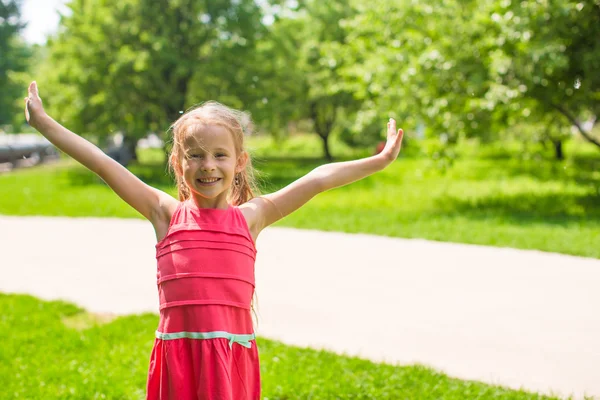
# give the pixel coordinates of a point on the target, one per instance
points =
(491, 195)
(41, 358)
(84, 320)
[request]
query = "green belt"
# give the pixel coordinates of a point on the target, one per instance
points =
(244, 340)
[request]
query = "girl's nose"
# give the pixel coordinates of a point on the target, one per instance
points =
(208, 164)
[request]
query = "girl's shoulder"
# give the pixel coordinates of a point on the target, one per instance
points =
(249, 211)
(252, 211)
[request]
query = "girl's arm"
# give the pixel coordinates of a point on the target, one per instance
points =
(147, 200)
(267, 209)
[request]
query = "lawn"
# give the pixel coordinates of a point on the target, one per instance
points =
(491, 195)
(54, 350)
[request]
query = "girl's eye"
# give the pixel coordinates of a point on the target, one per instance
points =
(194, 156)
(219, 155)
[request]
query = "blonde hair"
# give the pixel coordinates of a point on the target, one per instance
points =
(238, 123)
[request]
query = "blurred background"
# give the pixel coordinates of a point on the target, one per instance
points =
(498, 98)
(499, 101)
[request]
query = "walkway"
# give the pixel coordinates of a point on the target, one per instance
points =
(516, 318)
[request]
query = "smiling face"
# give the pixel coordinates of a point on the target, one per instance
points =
(208, 164)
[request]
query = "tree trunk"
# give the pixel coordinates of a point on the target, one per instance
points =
(326, 151)
(558, 149)
(323, 124)
(574, 121)
(127, 150)
(131, 144)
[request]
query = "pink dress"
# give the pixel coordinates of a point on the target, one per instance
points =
(204, 346)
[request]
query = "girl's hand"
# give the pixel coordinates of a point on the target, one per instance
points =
(34, 110)
(394, 141)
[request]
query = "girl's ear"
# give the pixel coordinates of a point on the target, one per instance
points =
(241, 162)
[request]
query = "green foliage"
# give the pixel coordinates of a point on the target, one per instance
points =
(544, 62)
(454, 70)
(134, 66)
(402, 60)
(54, 350)
(472, 69)
(510, 194)
(272, 82)
(300, 45)
(14, 57)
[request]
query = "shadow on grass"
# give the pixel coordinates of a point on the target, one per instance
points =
(579, 170)
(154, 174)
(84, 361)
(272, 172)
(530, 208)
(275, 172)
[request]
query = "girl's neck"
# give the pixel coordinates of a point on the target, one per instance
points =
(220, 204)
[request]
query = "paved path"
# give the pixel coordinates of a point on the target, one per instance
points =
(516, 318)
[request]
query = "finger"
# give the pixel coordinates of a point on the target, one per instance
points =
(26, 111)
(33, 90)
(392, 125)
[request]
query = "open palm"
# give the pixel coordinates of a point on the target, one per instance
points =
(394, 141)
(33, 105)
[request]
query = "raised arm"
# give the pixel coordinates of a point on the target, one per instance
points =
(265, 210)
(148, 201)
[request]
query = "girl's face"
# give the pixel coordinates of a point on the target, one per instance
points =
(209, 165)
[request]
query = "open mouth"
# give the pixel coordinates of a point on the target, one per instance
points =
(208, 181)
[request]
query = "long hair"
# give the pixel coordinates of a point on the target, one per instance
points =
(238, 123)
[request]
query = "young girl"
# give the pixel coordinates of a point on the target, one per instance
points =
(205, 345)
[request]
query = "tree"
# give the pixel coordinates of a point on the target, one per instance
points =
(550, 54)
(128, 65)
(326, 99)
(405, 59)
(14, 55)
(297, 75)
(274, 88)
(473, 69)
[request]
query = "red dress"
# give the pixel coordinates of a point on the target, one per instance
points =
(204, 346)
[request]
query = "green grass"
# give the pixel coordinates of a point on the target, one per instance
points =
(492, 195)
(54, 350)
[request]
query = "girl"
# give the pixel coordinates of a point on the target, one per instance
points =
(205, 345)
